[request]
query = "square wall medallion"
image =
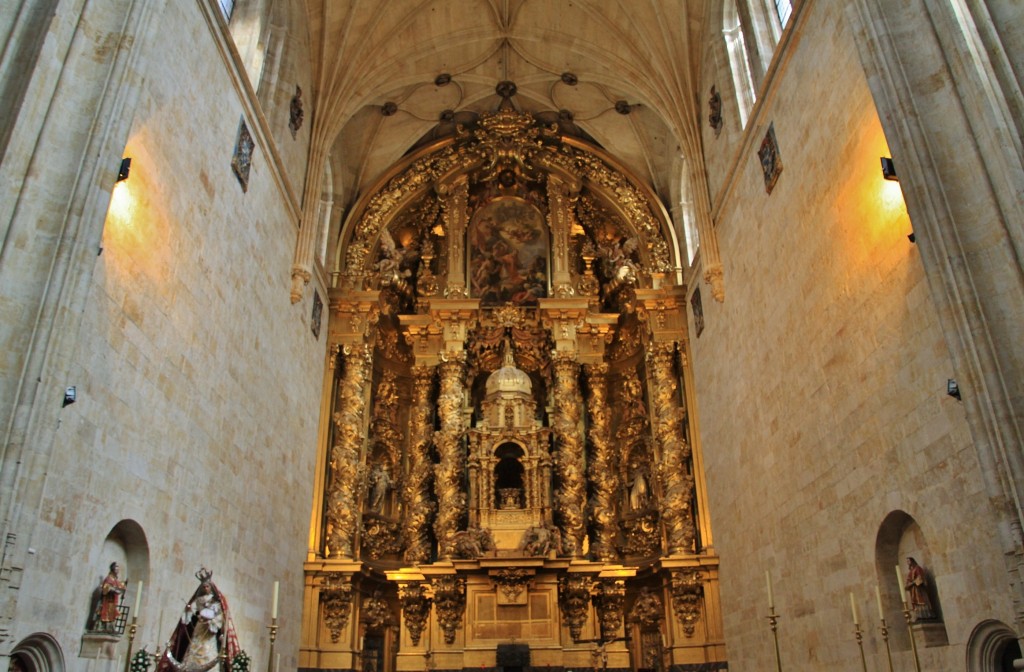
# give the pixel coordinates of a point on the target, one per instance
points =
(241, 161)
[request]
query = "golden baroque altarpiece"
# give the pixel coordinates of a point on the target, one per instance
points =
(508, 477)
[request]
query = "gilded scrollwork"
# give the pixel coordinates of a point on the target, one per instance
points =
(450, 602)
(673, 469)
(610, 600)
(416, 602)
(380, 537)
(416, 491)
(574, 592)
(336, 599)
(512, 582)
(571, 494)
(602, 470)
(344, 454)
(687, 592)
(640, 535)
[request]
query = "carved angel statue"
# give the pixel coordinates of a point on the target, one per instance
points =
(540, 541)
(618, 261)
(390, 266)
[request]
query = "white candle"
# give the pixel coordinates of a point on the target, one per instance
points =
(768, 580)
(273, 604)
(899, 582)
(853, 608)
(277, 663)
(138, 600)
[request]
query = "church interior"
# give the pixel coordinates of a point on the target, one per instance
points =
(455, 335)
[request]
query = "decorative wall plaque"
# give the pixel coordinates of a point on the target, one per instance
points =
(771, 162)
(241, 161)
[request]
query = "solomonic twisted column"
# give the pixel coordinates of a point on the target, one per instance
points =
(601, 471)
(674, 471)
(417, 502)
(348, 419)
(451, 496)
(569, 463)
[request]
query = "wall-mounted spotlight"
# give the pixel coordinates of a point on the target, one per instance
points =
(952, 389)
(889, 169)
(70, 395)
(126, 166)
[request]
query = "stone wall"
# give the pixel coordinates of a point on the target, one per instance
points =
(198, 381)
(821, 382)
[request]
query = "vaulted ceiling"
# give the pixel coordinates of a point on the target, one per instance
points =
(391, 75)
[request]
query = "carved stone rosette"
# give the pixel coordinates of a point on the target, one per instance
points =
(602, 471)
(449, 472)
(677, 482)
(610, 600)
(687, 591)
(571, 494)
(417, 499)
(450, 600)
(574, 602)
(415, 600)
(337, 604)
(344, 455)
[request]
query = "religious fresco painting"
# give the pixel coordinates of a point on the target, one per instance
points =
(508, 253)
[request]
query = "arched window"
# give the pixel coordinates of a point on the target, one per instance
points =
(783, 10)
(684, 215)
(739, 60)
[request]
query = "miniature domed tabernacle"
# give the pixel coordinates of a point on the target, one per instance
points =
(509, 378)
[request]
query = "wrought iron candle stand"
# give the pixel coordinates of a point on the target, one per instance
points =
(860, 645)
(773, 619)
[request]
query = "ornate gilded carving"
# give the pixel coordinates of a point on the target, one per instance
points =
(508, 140)
(571, 493)
(641, 536)
(380, 537)
(512, 582)
(602, 470)
(647, 611)
(574, 601)
(416, 491)
(610, 600)
(416, 601)
(541, 541)
(450, 601)
(376, 613)
(674, 468)
(344, 455)
(449, 490)
(687, 591)
(336, 599)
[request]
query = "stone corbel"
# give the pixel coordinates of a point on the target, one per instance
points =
(610, 600)
(450, 600)
(416, 599)
(574, 592)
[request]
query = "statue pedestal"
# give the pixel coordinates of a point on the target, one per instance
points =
(99, 646)
(931, 633)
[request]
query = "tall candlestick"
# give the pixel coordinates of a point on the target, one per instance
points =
(878, 599)
(853, 608)
(273, 604)
(899, 582)
(768, 580)
(138, 600)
